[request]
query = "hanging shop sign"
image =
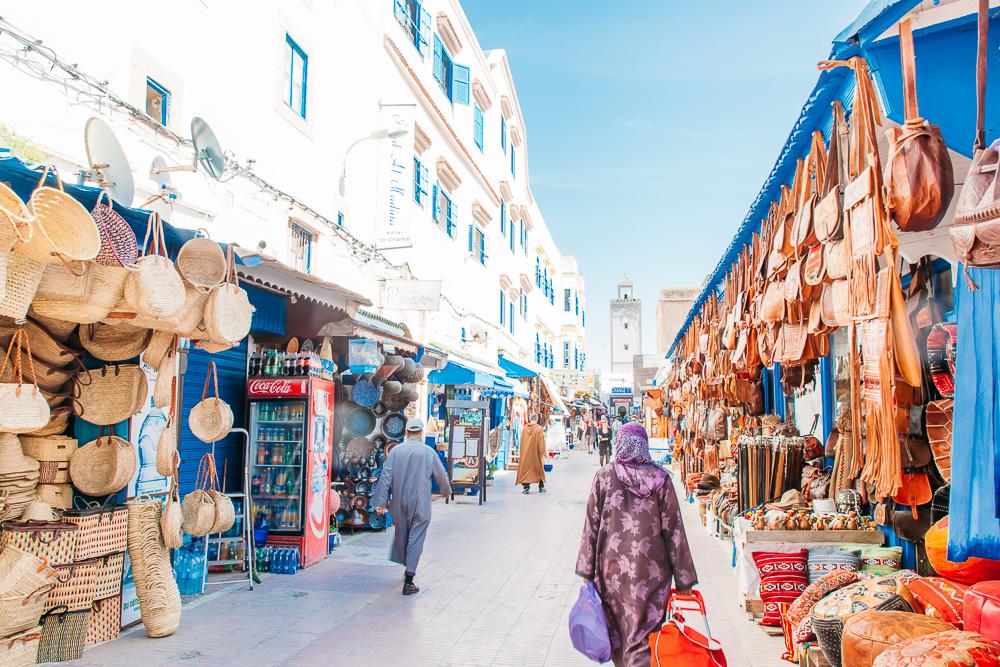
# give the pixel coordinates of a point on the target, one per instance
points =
(395, 160)
(412, 295)
(621, 391)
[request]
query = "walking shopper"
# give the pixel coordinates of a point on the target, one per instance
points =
(589, 436)
(604, 435)
(407, 472)
(530, 467)
(634, 546)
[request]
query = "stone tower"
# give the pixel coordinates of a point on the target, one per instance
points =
(626, 330)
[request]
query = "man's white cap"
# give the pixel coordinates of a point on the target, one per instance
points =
(415, 425)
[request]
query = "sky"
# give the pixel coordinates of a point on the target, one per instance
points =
(652, 124)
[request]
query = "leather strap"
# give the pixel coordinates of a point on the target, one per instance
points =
(909, 66)
(983, 26)
(210, 375)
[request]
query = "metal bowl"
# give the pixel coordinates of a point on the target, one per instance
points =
(376, 521)
(380, 409)
(366, 394)
(359, 421)
(394, 425)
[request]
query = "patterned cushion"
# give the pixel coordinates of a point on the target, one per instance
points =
(783, 577)
(881, 560)
(939, 598)
(822, 561)
(942, 649)
(876, 592)
(818, 590)
(803, 632)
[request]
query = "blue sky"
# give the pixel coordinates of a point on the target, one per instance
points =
(652, 125)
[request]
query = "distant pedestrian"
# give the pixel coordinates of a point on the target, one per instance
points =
(589, 436)
(530, 465)
(407, 472)
(604, 436)
(633, 546)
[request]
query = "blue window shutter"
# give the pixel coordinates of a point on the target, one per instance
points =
(511, 236)
(439, 73)
(434, 204)
(424, 179)
(483, 248)
(399, 10)
(502, 309)
(451, 222)
(460, 84)
(510, 316)
(503, 218)
(423, 31)
(471, 231)
(477, 126)
(512, 160)
(503, 133)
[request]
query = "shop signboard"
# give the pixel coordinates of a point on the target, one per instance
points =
(621, 392)
(395, 180)
(277, 387)
(412, 295)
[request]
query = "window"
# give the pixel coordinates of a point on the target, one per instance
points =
(538, 349)
(453, 78)
(157, 102)
(510, 316)
(443, 211)
(524, 237)
(538, 272)
(477, 244)
(503, 307)
(576, 359)
(626, 347)
(340, 219)
(419, 182)
(415, 21)
(513, 160)
(584, 317)
(566, 354)
(522, 304)
(503, 218)
(503, 134)
(477, 126)
(296, 72)
(567, 300)
(301, 246)
(511, 237)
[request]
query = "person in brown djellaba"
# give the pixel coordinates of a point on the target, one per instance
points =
(530, 467)
(633, 546)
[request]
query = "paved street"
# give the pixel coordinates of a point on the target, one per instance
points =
(497, 584)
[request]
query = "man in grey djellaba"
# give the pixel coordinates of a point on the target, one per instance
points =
(407, 473)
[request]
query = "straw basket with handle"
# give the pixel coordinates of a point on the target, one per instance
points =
(172, 517)
(212, 418)
(114, 342)
(21, 650)
(201, 262)
(153, 286)
(45, 346)
(104, 287)
(21, 275)
(118, 244)
(166, 446)
(159, 599)
(160, 343)
(58, 422)
(21, 611)
(15, 219)
(102, 528)
(24, 406)
(166, 379)
(198, 507)
(63, 229)
(110, 395)
(225, 513)
(103, 466)
(228, 313)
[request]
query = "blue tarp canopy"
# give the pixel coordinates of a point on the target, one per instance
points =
(456, 373)
(515, 370)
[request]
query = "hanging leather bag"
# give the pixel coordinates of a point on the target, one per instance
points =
(915, 491)
(939, 427)
(828, 216)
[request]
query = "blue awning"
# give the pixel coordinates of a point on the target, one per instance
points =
(515, 370)
(457, 374)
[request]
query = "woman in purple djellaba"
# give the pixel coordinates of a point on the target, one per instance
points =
(633, 546)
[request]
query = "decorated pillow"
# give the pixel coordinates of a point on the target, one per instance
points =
(881, 560)
(953, 648)
(822, 561)
(818, 590)
(803, 632)
(886, 592)
(783, 577)
(939, 598)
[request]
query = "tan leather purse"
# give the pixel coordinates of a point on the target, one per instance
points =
(828, 214)
(803, 229)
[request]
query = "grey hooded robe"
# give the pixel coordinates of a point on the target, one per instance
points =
(407, 471)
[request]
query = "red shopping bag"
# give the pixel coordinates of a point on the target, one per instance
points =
(677, 644)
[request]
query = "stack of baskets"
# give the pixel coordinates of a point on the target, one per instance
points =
(26, 583)
(53, 453)
(18, 477)
(159, 598)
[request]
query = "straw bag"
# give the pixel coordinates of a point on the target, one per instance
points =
(111, 395)
(172, 517)
(225, 513)
(15, 219)
(211, 419)
(75, 586)
(47, 377)
(63, 634)
(21, 650)
(102, 529)
(64, 281)
(21, 611)
(58, 422)
(114, 342)
(22, 275)
(45, 346)
(160, 343)
(153, 286)
(53, 472)
(228, 312)
(58, 329)
(166, 379)
(25, 586)
(159, 599)
(105, 620)
(24, 405)
(57, 448)
(201, 262)
(53, 542)
(57, 495)
(109, 572)
(198, 506)
(103, 466)
(118, 244)
(166, 446)
(105, 289)
(63, 230)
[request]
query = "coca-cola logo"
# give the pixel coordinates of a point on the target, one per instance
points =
(275, 387)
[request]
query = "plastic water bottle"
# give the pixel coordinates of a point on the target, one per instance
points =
(286, 561)
(295, 561)
(278, 564)
(180, 570)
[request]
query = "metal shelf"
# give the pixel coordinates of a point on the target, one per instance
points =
(277, 465)
(214, 540)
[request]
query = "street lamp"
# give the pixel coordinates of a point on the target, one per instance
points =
(384, 133)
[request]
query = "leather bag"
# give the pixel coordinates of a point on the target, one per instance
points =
(915, 491)
(981, 611)
(939, 428)
(914, 452)
(828, 216)
(919, 177)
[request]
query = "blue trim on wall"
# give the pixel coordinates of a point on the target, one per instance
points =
(829, 395)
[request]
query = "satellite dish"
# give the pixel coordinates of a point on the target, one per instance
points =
(207, 153)
(156, 173)
(108, 164)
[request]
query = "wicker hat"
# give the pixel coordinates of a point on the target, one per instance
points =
(12, 459)
(38, 510)
(790, 499)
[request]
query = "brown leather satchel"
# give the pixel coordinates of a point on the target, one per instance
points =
(914, 452)
(939, 425)
(828, 215)
(915, 491)
(975, 233)
(810, 187)
(919, 177)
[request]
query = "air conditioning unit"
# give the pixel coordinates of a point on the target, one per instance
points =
(478, 333)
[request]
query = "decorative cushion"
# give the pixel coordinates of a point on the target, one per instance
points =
(803, 632)
(867, 594)
(817, 590)
(969, 572)
(822, 561)
(953, 648)
(939, 598)
(783, 577)
(981, 609)
(881, 560)
(868, 634)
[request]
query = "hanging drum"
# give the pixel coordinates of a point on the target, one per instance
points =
(394, 425)
(359, 421)
(359, 502)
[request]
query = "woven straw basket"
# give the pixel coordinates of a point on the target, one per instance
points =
(154, 287)
(198, 509)
(201, 262)
(166, 447)
(159, 599)
(61, 330)
(103, 466)
(15, 219)
(166, 382)
(75, 585)
(20, 284)
(225, 512)
(228, 312)
(114, 343)
(4, 261)
(212, 418)
(47, 377)
(57, 495)
(102, 530)
(48, 448)
(25, 408)
(44, 345)
(63, 634)
(110, 395)
(21, 650)
(172, 517)
(105, 289)
(105, 619)
(118, 243)
(58, 423)
(63, 228)
(64, 281)
(109, 571)
(160, 343)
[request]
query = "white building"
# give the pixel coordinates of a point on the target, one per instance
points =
(626, 332)
(571, 355)
(304, 96)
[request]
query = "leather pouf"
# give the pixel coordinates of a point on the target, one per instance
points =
(970, 572)
(870, 633)
(981, 609)
(953, 648)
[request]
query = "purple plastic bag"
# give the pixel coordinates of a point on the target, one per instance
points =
(588, 626)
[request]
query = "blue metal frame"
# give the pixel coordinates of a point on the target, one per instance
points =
(303, 57)
(165, 105)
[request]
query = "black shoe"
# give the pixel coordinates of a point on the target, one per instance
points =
(410, 589)
(541, 489)
(526, 491)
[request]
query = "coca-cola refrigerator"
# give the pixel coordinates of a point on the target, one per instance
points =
(291, 443)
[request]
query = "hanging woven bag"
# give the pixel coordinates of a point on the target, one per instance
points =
(110, 395)
(118, 243)
(63, 229)
(166, 379)
(228, 312)
(160, 343)
(198, 507)
(103, 466)
(24, 405)
(212, 418)
(225, 513)
(22, 275)
(15, 219)
(105, 287)
(166, 446)
(118, 342)
(172, 518)
(153, 286)
(155, 586)
(201, 262)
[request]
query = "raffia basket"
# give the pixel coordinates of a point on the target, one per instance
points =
(48, 448)
(198, 509)
(105, 620)
(15, 219)
(23, 275)
(58, 423)
(114, 343)
(63, 634)
(111, 394)
(172, 518)
(159, 599)
(154, 287)
(57, 495)
(160, 343)
(75, 585)
(166, 382)
(201, 262)
(212, 418)
(105, 289)
(45, 346)
(166, 447)
(21, 650)
(61, 330)
(102, 530)
(64, 281)
(4, 260)
(103, 466)
(63, 229)
(109, 574)
(48, 378)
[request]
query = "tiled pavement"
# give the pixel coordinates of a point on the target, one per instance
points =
(497, 584)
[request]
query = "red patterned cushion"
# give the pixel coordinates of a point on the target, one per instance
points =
(783, 577)
(818, 590)
(942, 649)
(803, 632)
(940, 598)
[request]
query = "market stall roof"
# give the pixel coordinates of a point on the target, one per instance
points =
(456, 373)
(555, 400)
(364, 324)
(877, 17)
(514, 369)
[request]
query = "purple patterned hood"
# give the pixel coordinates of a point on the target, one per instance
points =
(633, 464)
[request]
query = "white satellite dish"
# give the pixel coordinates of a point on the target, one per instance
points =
(108, 164)
(156, 173)
(207, 153)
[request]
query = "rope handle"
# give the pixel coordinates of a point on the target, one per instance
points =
(45, 174)
(21, 339)
(17, 221)
(231, 278)
(214, 376)
(154, 233)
